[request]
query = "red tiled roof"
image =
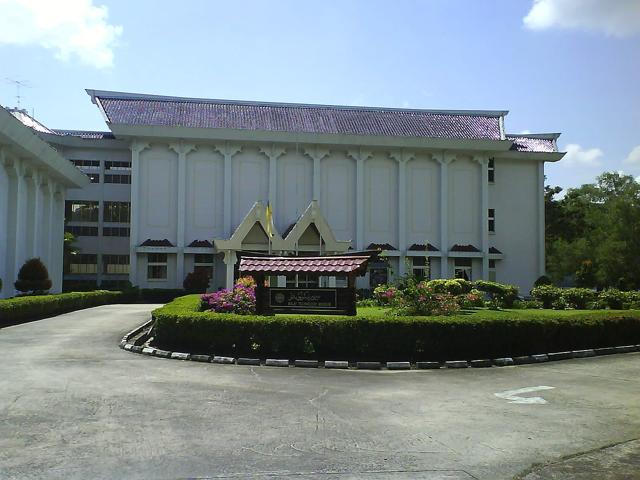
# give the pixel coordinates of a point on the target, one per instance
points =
(201, 244)
(283, 265)
(156, 243)
(494, 250)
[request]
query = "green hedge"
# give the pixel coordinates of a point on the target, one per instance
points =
(179, 326)
(27, 308)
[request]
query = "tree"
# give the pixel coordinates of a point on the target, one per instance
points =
(593, 233)
(69, 250)
(33, 277)
(196, 282)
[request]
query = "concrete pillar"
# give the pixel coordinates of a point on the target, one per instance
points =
(541, 221)
(444, 159)
(273, 152)
(316, 154)
(360, 156)
(182, 149)
(230, 259)
(402, 157)
(227, 150)
(58, 242)
(483, 161)
(21, 220)
(137, 147)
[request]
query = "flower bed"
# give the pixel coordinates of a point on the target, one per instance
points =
(376, 334)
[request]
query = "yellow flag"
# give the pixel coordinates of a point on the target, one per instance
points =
(269, 215)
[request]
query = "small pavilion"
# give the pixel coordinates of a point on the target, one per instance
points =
(318, 300)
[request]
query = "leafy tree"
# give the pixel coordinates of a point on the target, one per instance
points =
(593, 233)
(69, 250)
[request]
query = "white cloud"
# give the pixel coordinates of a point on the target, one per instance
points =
(614, 17)
(577, 156)
(634, 156)
(68, 27)
(525, 132)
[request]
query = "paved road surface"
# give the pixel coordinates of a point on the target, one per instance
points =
(74, 406)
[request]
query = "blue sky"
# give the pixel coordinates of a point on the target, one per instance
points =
(569, 66)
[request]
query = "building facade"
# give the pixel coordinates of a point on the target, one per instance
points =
(34, 179)
(441, 193)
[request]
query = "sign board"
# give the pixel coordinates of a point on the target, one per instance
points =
(299, 299)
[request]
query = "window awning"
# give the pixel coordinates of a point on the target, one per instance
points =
(329, 265)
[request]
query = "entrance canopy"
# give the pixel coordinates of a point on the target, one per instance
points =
(327, 265)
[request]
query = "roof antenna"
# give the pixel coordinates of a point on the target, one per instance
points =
(19, 84)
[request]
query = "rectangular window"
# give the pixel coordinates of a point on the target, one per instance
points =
(124, 179)
(93, 177)
(302, 280)
(120, 166)
(117, 212)
(115, 231)
(421, 268)
(462, 268)
(203, 262)
(84, 264)
(492, 270)
(492, 220)
(115, 264)
(86, 164)
(378, 273)
(81, 231)
(156, 266)
(492, 170)
(77, 211)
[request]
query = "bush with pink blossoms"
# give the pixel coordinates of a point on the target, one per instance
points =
(419, 298)
(385, 294)
(241, 299)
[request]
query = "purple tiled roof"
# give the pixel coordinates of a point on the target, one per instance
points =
(156, 243)
(87, 134)
(136, 109)
(282, 265)
(421, 247)
(201, 244)
(464, 248)
(523, 143)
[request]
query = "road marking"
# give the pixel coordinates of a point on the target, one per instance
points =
(513, 396)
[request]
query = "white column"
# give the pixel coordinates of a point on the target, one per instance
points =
(444, 159)
(230, 259)
(21, 221)
(484, 214)
(402, 157)
(5, 201)
(272, 152)
(316, 153)
(37, 216)
(227, 150)
(360, 156)
(58, 241)
(51, 220)
(182, 149)
(136, 148)
(541, 221)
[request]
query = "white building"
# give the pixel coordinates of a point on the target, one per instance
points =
(33, 180)
(447, 188)
(442, 192)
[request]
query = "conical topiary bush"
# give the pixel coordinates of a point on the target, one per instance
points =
(33, 277)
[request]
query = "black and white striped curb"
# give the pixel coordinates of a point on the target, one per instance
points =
(136, 342)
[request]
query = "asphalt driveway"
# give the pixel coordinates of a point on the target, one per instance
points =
(74, 406)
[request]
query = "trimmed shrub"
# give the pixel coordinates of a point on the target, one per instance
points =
(542, 280)
(455, 286)
(196, 282)
(547, 294)
(465, 285)
(160, 295)
(501, 293)
(33, 277)
(578, 298)
(179, 326)
(33, 307)
(612, 298)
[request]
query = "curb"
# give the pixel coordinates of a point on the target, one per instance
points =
(133, 342)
